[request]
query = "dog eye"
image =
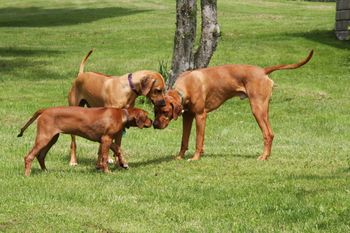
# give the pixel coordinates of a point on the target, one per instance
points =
(158, 91)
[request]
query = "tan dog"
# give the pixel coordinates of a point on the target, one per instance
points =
(201, 91)
(98, 90)
(96, 124)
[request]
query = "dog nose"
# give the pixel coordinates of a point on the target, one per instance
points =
(161, 103)
(155, 124)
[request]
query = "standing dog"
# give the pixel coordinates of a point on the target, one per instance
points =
(201, 91)
(98, 90)
(96, 124)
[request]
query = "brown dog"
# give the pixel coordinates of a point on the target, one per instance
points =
(201, 91)
(99, 90)
(96, 124)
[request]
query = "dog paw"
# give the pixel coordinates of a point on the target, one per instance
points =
(262, 158)
(125, 166)
(179, 158)
(192, 159)
(73, 164)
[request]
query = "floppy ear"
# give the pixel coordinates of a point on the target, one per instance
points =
(177, 110)
(146, 85)
(139, 119)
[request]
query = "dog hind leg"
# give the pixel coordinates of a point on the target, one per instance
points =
(43, 152)
(40, 143)
(200, 133)
(259, 103)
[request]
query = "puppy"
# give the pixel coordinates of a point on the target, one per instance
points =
(96, 124)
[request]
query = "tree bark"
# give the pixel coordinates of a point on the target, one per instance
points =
(342, 20)
(185, 35)
(210, 34)
(184, 57)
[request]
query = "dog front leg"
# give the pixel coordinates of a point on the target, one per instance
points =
(106, 143)
(116, 148)
(200, 131)
(187, 120)
(99, 158)
(73, 149)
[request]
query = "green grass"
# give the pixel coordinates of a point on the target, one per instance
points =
(304, 187)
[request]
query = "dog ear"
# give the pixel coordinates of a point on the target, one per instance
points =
(146, 85)
(139, 119)
(177, 110)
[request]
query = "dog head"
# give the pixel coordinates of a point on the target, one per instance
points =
(164, 114)
(153, 86)
(138, 118)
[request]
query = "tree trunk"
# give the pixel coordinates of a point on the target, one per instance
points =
(342, 20)
(210, 34)
(185, 34)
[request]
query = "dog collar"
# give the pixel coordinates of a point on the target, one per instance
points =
(132, 86)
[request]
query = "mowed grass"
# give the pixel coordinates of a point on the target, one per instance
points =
(304, 187)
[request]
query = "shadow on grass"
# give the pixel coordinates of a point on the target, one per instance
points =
(84, 161)
(323, 37)
(36, 70)
(36, 171)
(14, 61)
(223, 155)
(88, 161)
(25, 52)
(315, 177)
(41, 17)
(151, 162)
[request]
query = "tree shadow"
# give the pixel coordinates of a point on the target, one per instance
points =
(25, 52)
(314, 177)
(41, 17)
(14, 61)
(323, 37)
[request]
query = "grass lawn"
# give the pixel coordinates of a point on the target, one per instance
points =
(304, 187)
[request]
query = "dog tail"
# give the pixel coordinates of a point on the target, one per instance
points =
(81, 68)
(270, 69)
(31, 120)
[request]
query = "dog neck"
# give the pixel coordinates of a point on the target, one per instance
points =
(178, 95)
(125, 117)
(131, 85)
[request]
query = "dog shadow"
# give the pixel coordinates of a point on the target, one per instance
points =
(151, 162)
(229, 155)
(90, 161)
